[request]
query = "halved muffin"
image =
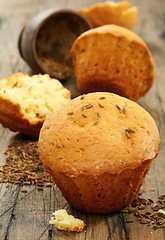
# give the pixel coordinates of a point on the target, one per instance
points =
(26, 101)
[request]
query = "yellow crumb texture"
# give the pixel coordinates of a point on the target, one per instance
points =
(63, 221)
(109, 12)
(37, 95)
(26, 101)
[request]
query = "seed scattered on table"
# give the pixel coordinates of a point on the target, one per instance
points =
(148, 212)
(23, 165)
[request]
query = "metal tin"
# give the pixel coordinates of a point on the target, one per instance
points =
(45, 42)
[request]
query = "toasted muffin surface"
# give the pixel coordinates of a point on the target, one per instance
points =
(98, 133)
(112, 58)
(109, 12)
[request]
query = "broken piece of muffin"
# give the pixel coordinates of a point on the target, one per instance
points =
(25, 101)
(63, 221)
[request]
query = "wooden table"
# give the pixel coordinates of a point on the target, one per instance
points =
(26, 215)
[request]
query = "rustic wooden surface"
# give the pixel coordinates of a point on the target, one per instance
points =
(26, 215)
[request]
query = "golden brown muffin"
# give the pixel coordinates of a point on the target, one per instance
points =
(102, 152)
(112, 58)
(120, 13)
(25, 101)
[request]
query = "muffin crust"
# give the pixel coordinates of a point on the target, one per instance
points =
(98, 149)
(112, 58)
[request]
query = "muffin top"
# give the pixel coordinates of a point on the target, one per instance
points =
(109, 29)
(97, 133)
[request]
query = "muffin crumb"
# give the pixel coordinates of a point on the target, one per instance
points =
(63, 221)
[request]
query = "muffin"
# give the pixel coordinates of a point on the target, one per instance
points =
(112, 59)
(121, 13)
(98, 149)
(25, 101)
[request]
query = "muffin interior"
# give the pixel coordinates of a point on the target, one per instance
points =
(36, 96)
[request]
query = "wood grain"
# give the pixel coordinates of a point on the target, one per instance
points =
(25, 215)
